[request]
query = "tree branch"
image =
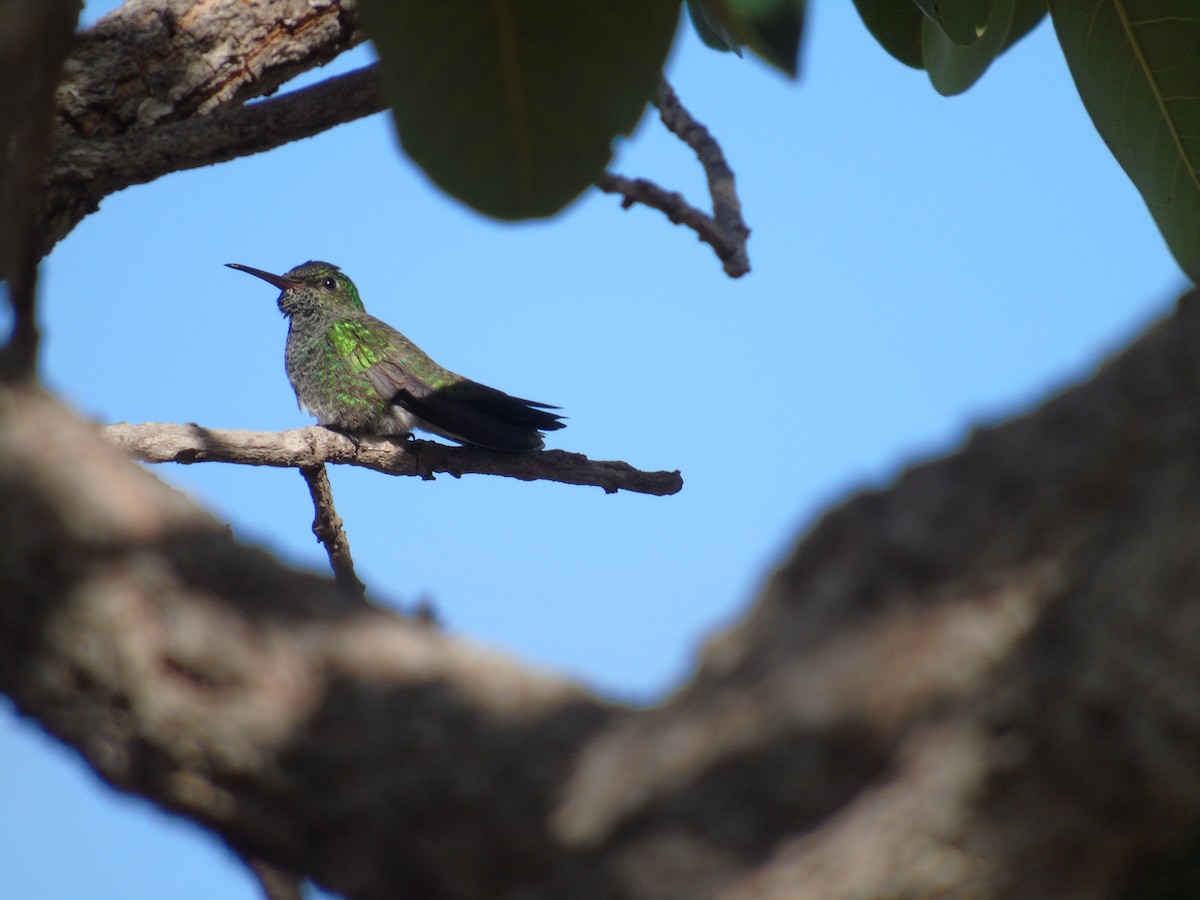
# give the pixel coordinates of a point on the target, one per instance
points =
(154, 87)
(327, 526)
(85, 171)
(161, 442)
(725, 230)
(151, 62)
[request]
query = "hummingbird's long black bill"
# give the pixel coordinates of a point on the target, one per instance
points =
(280, 281)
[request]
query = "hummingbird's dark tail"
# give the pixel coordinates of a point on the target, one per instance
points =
(475, 414)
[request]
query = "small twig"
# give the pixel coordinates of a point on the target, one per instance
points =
(725, 230)
(161, 442)
(327, 526)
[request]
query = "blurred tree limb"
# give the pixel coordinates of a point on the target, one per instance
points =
(981, 681)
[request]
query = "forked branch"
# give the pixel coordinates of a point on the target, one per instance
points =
(725, 230)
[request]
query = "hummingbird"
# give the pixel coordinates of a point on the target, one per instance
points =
(356, 373)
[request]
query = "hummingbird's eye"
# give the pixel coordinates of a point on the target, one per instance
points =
(329, 283)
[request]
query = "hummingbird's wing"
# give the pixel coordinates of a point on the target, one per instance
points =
(464, 410)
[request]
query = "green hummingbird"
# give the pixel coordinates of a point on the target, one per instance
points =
(358, 374)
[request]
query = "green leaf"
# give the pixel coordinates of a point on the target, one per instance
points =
(770, 28)
(1027, 14)
(962, 21)
(954, 67)
(512, 106)
(896, 25)
(1137, 68)
(710, 29)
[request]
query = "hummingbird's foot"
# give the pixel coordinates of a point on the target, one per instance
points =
(405, 437)
(348, 433)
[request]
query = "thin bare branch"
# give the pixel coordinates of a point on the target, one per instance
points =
(722, 185)
(725, 230)
(676, 208)
(327, 526)
(161, 442)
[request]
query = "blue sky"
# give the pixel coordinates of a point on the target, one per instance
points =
(922, 265)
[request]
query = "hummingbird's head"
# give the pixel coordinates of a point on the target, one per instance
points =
(310, 287)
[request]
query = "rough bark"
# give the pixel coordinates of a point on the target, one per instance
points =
(979, 682)
(158, 86)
